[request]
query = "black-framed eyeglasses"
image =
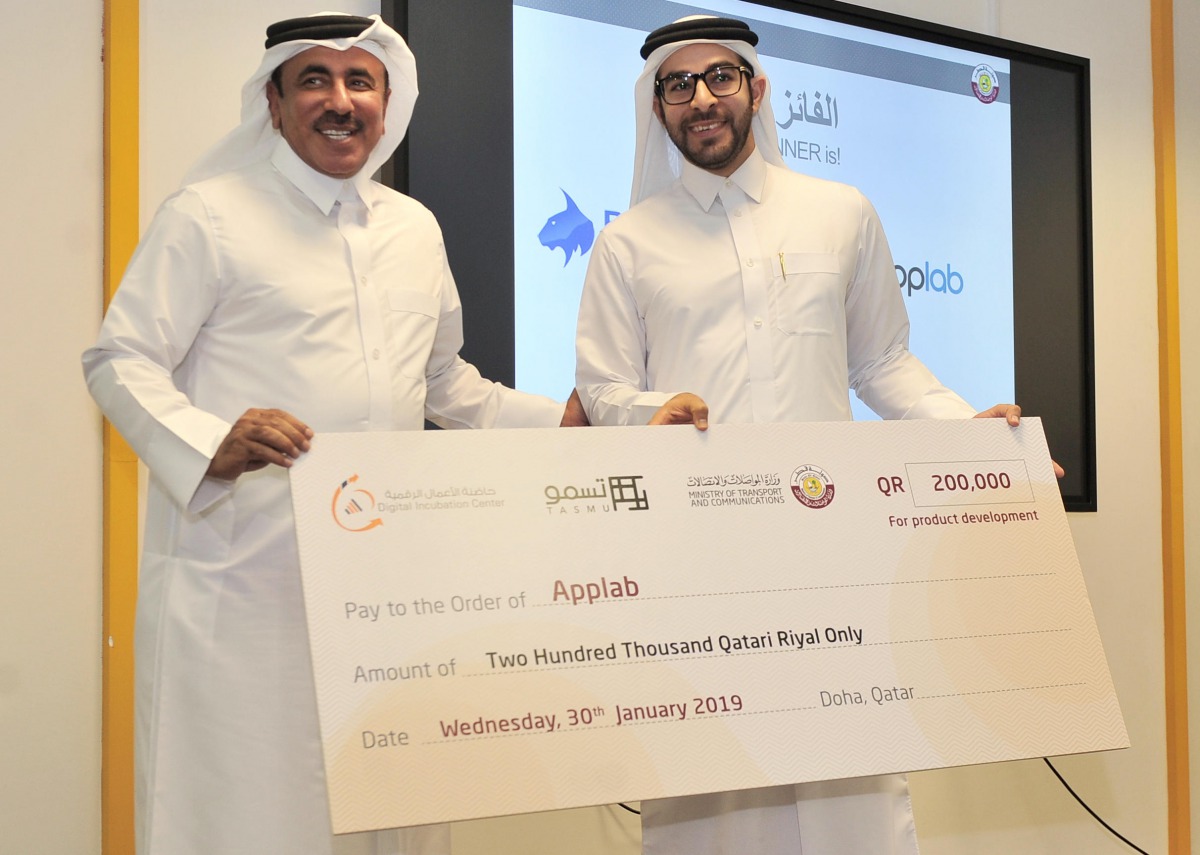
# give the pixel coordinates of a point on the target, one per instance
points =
(722, 81)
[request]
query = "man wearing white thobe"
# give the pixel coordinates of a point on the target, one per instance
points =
(735, 284)
(280, 293)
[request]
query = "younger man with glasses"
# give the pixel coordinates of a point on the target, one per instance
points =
(736, 284)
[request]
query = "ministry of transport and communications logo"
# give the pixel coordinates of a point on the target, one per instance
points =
(812, 486)
(352, 506)
(985, 83)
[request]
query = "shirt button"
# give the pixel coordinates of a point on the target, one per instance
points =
(738, 212)
(757, 323)
(375, 353)
(363, 280)
(750, 263)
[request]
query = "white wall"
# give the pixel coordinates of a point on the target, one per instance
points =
(1016, 807)
(195, 58)
(50, 506)
(1019, 807)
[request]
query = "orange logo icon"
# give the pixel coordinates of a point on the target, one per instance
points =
(352, 506)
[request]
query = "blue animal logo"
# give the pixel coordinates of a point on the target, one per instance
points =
(568, 230)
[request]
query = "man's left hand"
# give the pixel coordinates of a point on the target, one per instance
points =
(1012, 414)
(684, 409)
(573, 413)
(1009, 412)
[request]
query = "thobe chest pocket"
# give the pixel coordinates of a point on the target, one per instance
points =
(411, 326)
(805, 292)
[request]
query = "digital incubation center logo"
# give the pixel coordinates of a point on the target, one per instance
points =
(812, 486)
(352, 506)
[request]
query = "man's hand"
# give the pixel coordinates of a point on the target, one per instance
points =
(1012, 414)
(1009, 412)
(258, 439)
(683, 409)
(573, 413)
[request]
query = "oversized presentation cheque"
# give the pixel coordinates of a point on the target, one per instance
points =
(523, 620)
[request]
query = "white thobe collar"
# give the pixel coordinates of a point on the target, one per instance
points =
(705, 186)
(322, 190)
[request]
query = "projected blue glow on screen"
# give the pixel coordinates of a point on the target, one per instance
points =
(896, 117)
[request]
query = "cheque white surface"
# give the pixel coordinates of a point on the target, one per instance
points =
(513, 621)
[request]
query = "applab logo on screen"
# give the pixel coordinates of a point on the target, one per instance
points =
(352, 507)
(930, 279)
(568, 230)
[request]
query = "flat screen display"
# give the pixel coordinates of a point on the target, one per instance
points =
(922, 129)
(974, 150)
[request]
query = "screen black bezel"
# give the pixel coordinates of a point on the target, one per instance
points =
(458, 160)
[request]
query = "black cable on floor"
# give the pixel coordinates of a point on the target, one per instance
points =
(1095, 815)
(1063, 781)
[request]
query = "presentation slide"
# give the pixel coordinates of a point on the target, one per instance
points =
(922, 129)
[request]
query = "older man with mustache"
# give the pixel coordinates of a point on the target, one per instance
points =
(280, 293)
